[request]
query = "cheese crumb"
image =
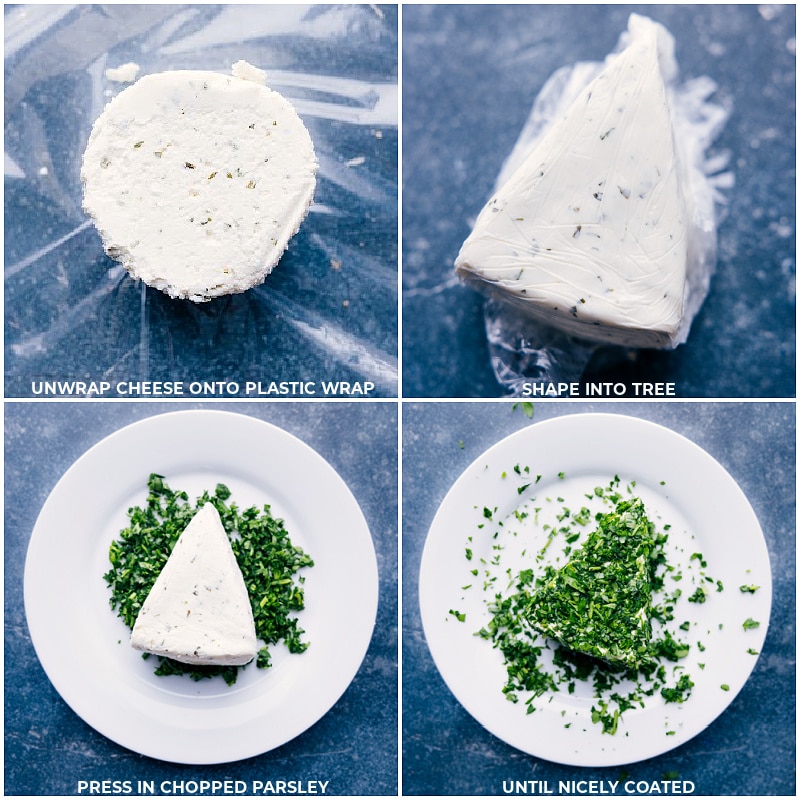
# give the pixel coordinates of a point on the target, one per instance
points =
(125, 73)
(247, 72)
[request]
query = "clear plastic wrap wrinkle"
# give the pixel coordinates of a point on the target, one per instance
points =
(327, 313)
(524, 351)
(524, 347)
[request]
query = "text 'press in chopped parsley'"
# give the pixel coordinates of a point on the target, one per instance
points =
(268, 560)
(559, 628)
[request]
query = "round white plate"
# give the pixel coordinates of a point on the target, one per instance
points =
(681, 485)
(83, 646)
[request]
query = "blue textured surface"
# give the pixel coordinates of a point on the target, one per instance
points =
(749, 749)
(329, 309)
(48, 748)
(470, 75)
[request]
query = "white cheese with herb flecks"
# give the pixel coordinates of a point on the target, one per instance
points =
(590, 233)
(197, 181)
(198, 611)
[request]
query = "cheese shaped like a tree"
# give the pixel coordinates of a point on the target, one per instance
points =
(590, 234)
(198, 611)
(599, 603)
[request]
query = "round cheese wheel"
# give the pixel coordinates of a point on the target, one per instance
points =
(197, 181)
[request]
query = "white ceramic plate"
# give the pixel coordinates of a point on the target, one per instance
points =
(83, 645)
(682, 486)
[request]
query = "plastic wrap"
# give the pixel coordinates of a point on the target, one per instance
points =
(525, 350)
(326, 315)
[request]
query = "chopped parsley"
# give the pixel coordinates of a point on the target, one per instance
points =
(699, 596)
(670, 649)
(599, 602)
(268, 561)
(527, 408)
(680, 692)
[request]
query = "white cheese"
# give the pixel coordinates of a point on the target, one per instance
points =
(197, 181)
(247, 72)
(125, 73)
(590, 233)
(198, 611)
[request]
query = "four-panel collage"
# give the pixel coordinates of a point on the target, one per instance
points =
(400, 400)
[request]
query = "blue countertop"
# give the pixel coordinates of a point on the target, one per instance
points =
(48, 748)
(327, 312)
(749, 750)
(470, 76)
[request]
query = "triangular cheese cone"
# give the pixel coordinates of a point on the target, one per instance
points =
(589, 234)
(198, 611)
